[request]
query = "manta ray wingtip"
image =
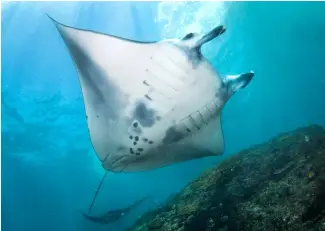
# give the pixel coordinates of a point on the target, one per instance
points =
(56, 23)
(52, 19)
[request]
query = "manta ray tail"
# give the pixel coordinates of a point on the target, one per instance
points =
(97, 191)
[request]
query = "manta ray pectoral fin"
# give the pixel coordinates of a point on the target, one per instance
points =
(209, 36)
(211, 140)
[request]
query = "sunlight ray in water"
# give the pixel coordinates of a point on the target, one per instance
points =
(180, 18)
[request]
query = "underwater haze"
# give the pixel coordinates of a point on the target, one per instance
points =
(49, 169)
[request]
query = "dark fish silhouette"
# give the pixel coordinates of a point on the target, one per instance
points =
(12, 112)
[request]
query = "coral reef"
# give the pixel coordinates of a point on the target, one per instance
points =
(278, 185)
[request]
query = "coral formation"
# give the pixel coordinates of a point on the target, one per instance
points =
(278, 185)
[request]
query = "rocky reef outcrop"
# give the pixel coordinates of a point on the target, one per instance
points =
(278, 185)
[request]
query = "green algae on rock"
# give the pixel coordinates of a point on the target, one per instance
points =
(278, 185)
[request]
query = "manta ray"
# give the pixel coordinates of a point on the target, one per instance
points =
(150, 104)
(114, 215)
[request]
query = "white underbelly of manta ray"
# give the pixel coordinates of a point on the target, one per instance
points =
(150, 104)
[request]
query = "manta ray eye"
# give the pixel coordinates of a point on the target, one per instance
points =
(188, 36)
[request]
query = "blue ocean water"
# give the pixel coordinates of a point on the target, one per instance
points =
(49, 169)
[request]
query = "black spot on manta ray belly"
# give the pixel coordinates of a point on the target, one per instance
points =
(137, 139)
(137, 130)
(135, 135)
(144, 115)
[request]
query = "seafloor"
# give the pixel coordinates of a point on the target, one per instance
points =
(278, 185)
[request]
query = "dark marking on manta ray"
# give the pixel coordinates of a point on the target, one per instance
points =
(145, 139)
(150, 142)
(193, 55)
(140, 149)
(201, 117)
(144, 115)
(136, 138)
(105, 158)
(148, 97)
(131, 137)
(193, 121)
(222, 93)
(121, 148)
(172, 135)
(211, 113)
(137, 153)
(97, 116)
(188, 36)
(145, 82)
(188, 130)
(131, 151)
(137, 130)
(134, 143)
(135, 124)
